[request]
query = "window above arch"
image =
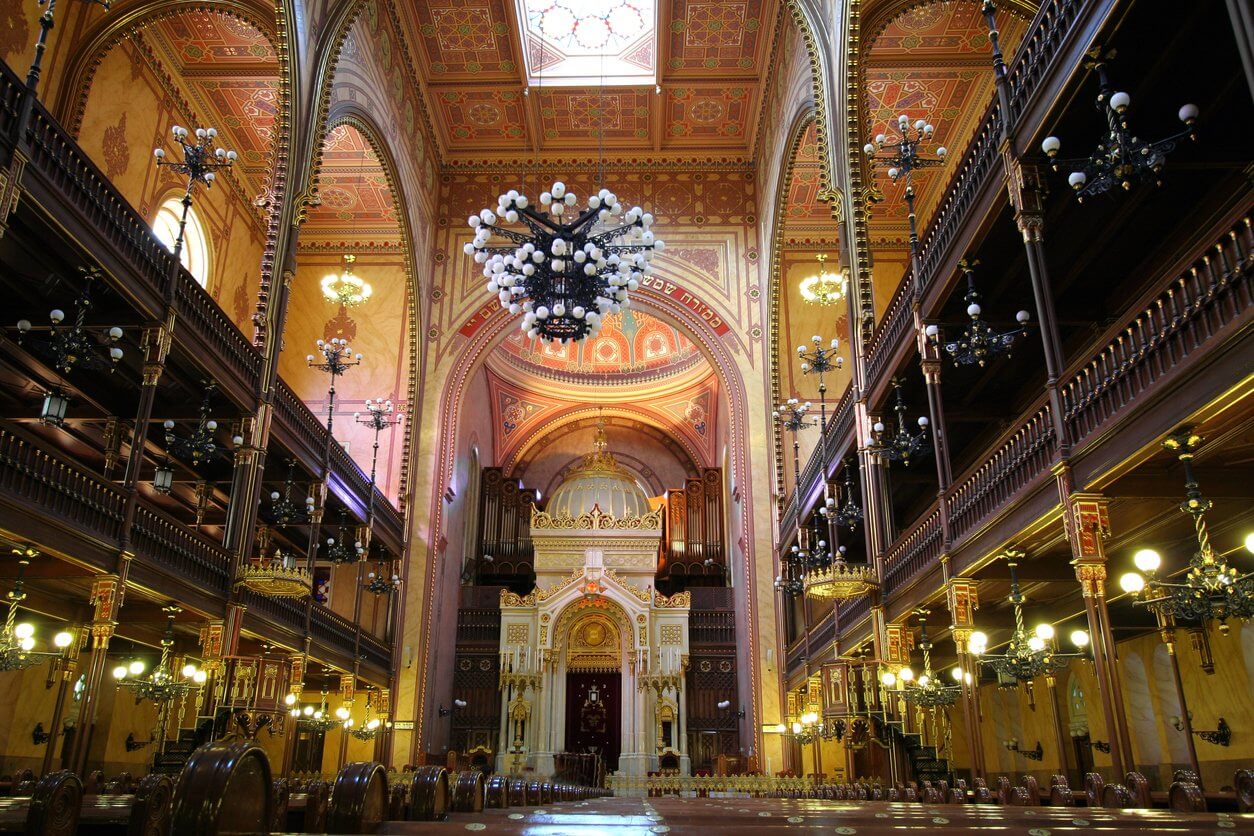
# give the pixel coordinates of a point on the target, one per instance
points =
(195, 253)
(576, 42)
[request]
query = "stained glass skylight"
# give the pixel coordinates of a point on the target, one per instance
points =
(590, 41)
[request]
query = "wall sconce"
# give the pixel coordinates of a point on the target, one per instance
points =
(1031, 754)
(133, 745)
(1221, 736)
(52, 413)
(39, 736)
(1101, 746)
(457, 704)
(723, 705)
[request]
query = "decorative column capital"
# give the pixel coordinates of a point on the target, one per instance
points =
(962, 599)
(1026, 188)
(1092, 578)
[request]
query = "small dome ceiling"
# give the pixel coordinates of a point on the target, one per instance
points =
(599, 481)
(633, 346)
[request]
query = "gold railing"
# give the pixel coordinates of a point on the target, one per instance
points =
(742, 785)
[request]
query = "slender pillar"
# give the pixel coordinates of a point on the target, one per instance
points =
(106, 598)
(1088, 524)
(62, 674)
(962, 599)
(1167, 629)
(1060, 737)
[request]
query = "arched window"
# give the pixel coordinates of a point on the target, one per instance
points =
(195, 254)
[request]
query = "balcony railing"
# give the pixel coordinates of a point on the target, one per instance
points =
(182, 552)
(913, 552)
(839, 425)
(46, 485)
(1023, 455)
(1204, 299)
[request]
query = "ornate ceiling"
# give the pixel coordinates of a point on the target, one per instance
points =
(633, 347)
(229, 72)
(930, 62)
(710, 59)
(356, 200)
(807, 222)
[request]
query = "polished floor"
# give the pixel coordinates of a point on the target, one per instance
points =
(623, 816)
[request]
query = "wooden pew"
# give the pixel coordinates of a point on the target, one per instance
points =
(429, 794)
(307, 807)
(468, 792)
(224, 787)
(359, 800)
(52, 808)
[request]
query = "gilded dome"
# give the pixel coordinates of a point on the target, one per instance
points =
(599, 480)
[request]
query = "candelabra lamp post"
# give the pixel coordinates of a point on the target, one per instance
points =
(343, 548)
(46, 22)
(902, 156)
(902, 445)
(793, 417)
(847, 512)
(335, 358)
(1121, 158)
(979, 342)
(201, 162)
(380, 415)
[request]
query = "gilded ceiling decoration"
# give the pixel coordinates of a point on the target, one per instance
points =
(693, 85)
(356, 199)
(632, 346)
(930, 62)
(229, 72)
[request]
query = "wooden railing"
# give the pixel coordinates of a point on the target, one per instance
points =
(852, 611)
(839, 425)
(214, 332)
(167, 543)
(1042, 43)
(44, 484)
(1023, 454)
(376, 652)
(1200, 302)
(913, 552)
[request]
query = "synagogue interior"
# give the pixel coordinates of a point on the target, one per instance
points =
(610, 416)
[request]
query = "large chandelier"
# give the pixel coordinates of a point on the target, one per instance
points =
(71, 345)
(564, 276)
(17, 641)
(824, 287)
(201, 443)
(927, 690)
(161, 684)
(1210, 589)
(346, 287)
(278, 576)
(1029, 654)
(1121, 158)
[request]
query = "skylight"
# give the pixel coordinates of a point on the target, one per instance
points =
(572, 42)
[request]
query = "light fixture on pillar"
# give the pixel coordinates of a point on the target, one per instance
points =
(1121, 158)
(315, 718)
(1220, 736)
(201, 443)
(1210, 589)
(335, 358)
(825, 287)
(903, 444)
(200, 164)
(563, 276)
(1028, 654)
(927, 689)
(979, 342)
(75, 345)
(1031, 754)
(52, 412)
(162, 683)
(346, 287)
(17, 640)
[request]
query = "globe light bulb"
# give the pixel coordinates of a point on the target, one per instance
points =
(119, 672)
(136, 667)
(1249, 542)
(27, 644)
(957, 674)
(309, 711)
(189, 671)
(1132, 582)
(924, 679)
(200, 677)
(1036, 644)
(1044, 632)
(888, 679)
(906, 674)
(63, 639)
(24, 630)
(1147, 560)
(978, 642)
(796, 728)
(1080, 638)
